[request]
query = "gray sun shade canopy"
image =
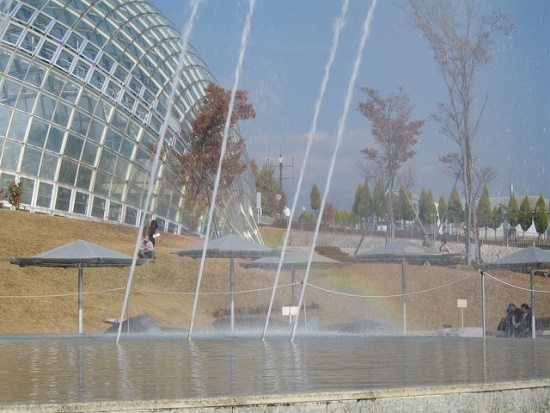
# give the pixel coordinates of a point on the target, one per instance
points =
(525, 259)
(229, 246)
(294, 258)
(78, 254)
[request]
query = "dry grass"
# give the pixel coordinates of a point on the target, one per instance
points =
(44, 300)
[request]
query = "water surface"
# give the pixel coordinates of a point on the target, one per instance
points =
(92, 368)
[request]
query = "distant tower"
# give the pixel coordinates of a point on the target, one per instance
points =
(511, 190)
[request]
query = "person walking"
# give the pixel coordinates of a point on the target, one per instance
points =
(153, 228)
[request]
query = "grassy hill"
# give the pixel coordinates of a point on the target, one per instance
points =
(44, 300)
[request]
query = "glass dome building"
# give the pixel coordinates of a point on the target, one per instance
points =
(84, 89)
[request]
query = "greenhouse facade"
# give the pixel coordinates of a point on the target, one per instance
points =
(84, 94)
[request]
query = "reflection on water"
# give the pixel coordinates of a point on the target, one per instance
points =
(53, 369)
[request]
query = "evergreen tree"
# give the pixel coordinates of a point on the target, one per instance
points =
(455, 211)
(525, 214)
(359, 202)
(426, 206)
(378, 200)
(513, 213)
(483, 209)
(408, 210)
(268, 185)
(497, 218)
(441, 208)
(541, 216)
(315, 199)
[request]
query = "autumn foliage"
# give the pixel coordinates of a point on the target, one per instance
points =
(197, 166)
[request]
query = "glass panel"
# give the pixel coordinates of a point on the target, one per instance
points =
(131, 216)
(87, 101)
(162, 208)
(19, 67)
(98, 208)
(113, 140)
(67, 172)
(96, 131)
(55, 139)
(30, 42)
(117, 189)
(81, 69)
(54, 83)
(5, 115)
(6, 179)
(133, 130)
(97, 80)
(12, 34)
(31, 161)
(18, 126)
(23, 14)
(27, 188)
(49, 166)
(106, 63)
(107, 161)
(61, 115)
(115, 212)
(122, 168)
(134, 195)
(37, 133)
(73, 148)
(58, 31)
(80, 123)
(36, 74)
(41, 22)
(84, 177)
(119, 120)
(63, 199)
(103, 110)
(74, 41)
(127, 149)
(47, 51)
(9, 92)
(44, 197)
(102, 183)
(80, 203)
(137, 175)
(113, 90)
(90, 153)
(128, 101)
(90, 51)
(26, 99)
(70, 91)
(142, 158)
(10, 155)
(45, 107)
(64, 60)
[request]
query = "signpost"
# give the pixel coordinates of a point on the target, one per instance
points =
(462, 304)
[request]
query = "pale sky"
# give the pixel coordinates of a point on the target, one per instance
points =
(284, 64)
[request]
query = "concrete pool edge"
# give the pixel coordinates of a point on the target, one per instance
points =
(532, 396)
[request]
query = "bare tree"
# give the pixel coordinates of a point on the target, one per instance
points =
(460, 41)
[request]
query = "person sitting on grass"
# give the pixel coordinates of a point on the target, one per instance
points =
(147, 249)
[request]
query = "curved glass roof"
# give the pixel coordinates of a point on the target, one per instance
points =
(84, 92)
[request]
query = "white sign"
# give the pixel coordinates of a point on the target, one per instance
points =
(462, 303)
(291, 310)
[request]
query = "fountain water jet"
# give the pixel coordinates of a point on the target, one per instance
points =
(244, 38)
(184, 42)
(365, 35)
(337, 28)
